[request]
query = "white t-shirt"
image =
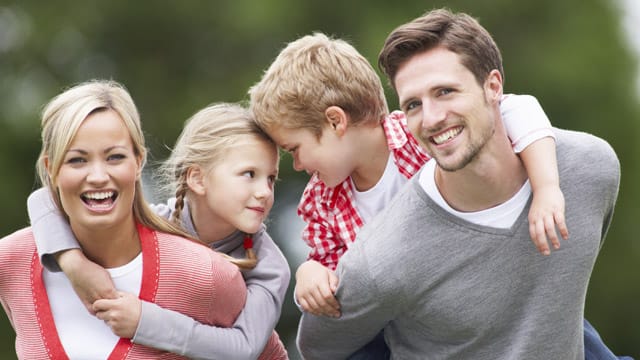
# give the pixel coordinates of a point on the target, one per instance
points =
(370, 202)
(501, 216)
(84, 336)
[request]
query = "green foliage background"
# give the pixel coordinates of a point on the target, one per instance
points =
(177, 57)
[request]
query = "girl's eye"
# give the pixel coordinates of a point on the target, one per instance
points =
(272, 179)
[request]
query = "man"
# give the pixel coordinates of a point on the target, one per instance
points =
(445, 269)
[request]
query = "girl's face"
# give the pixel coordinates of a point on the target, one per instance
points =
(239, 187)
(96, 181)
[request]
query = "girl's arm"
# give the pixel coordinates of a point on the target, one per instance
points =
(266, 288)
(59, 250)
(530, 132)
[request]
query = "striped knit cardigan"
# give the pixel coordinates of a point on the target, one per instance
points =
(178, 274)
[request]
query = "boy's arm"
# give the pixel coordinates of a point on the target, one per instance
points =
(59, 250)
(327, 245)
(315, 289)
(530, 131)
(547, 207)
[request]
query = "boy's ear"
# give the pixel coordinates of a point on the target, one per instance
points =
(337, 119)
(195, 180)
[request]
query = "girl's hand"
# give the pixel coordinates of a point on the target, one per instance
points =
(121, 314)
(315, 289)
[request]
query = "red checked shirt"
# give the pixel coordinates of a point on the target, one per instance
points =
(330, 213)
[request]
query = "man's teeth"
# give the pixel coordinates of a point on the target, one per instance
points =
(439, 139)
(99, 195)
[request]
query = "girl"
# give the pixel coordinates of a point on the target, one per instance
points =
(91, 159)
(222, 171)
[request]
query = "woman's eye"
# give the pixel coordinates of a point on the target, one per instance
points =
(116, 157)
(75, 160)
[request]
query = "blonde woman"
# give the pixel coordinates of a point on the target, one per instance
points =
(222, 171)
(92, 154)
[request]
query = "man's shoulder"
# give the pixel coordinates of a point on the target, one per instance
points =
(583, 148)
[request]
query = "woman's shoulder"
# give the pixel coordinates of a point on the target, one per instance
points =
(20, 239)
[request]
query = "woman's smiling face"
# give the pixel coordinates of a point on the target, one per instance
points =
(97, 179)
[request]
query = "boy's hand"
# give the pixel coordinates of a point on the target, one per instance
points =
(315, 289)
(547, 212)
(89, 280)
(122, 314)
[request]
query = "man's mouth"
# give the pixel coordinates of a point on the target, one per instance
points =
(446, 135)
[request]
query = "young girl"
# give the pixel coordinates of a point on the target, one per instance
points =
(222, 170)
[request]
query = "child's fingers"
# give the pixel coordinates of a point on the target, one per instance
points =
(561, 224)
(550, 231)
(328, 305)
(102, 305)
(537, 233)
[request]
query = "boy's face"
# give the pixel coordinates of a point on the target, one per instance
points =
(329, 157)
(451, 115)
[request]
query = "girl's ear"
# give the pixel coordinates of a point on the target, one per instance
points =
(195, 180)
(337, 119)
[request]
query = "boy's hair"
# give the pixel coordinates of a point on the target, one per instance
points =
(61, 119)
(311, 74)
(457, 32)
(204, 141)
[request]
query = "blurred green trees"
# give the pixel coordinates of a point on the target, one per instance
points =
(177, 57)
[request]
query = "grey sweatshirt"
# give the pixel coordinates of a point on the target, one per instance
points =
(444, 288)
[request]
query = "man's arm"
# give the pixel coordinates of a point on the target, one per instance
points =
(365, 312)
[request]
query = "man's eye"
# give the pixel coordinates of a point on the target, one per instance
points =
(412, 105)
(445, 91)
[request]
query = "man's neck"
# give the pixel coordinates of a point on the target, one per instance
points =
(489, 180)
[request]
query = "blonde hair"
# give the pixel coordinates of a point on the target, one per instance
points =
(311, 74)
(61, 119)
(204, 140)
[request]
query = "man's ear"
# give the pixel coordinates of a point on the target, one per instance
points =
(337, 119)
(493, 87)
(195, 180)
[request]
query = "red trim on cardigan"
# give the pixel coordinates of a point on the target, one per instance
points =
(148, 290)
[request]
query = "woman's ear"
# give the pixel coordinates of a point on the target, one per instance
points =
(195, 180)
(337, 119)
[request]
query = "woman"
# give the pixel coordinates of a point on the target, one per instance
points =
(91, 159)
